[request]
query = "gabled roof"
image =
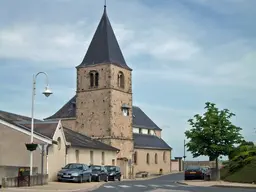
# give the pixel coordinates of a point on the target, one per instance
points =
(104, 47)
(79, 140)
(140, 119)
(46, 129)
(143, 141)
(14, 117)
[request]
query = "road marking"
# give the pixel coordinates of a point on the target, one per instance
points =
(154, 185)
(109, 186)
(169, 185)
(124, 186)
(140, 186)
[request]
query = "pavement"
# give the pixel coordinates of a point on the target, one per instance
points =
(167, 183)
(56, 186)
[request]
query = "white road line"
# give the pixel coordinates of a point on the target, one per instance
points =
(124, 186)
(109, 186)
(169, 185)
(140, 186)
(154, 185)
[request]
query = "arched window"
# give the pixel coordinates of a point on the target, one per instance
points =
(94, 79)
(120, 79)
(148, 161)
(91, 79)
(155, 158)
(135, 156)
(164, 156)
(77, 156)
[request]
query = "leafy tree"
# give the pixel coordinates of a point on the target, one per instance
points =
(213, 134)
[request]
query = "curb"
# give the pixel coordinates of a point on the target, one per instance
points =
(230, 186)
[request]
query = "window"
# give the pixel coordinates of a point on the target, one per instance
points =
(59, 143)
(148, 158)
(155, 158)
(120, 79)
(77, 156)
(164, 156)
(103, 158)
(94, 79)
(135, 156)
(91, 157)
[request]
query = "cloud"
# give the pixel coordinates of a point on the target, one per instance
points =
(183, 53)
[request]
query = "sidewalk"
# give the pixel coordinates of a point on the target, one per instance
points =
(152, 177)
(217, 184)
(57, 186)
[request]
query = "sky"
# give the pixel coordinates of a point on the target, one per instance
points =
(183, 53)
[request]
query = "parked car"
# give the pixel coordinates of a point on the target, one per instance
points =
(193, 172)
(99, 173)
(113, 172)
(75, 172)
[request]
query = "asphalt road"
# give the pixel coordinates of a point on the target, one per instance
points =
(165, 183)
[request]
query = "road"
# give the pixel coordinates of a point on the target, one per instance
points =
(165, 183)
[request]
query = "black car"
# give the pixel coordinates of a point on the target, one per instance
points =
(114, 173)
(194, 172)
(76, 172)
(99, 173)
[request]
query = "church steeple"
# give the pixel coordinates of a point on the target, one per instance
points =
(104, 47)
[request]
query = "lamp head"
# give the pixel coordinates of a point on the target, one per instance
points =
(47, 92)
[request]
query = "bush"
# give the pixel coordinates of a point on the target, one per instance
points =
(246, 174)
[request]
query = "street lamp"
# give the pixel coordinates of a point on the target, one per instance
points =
(47, 92)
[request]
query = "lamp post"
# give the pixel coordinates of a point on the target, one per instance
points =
(184, 156)
(47, 92)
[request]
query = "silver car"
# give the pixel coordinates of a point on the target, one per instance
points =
(75, 172)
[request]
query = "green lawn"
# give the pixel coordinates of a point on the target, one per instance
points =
(247, 174)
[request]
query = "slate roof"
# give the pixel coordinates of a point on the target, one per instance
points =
(47, 129)
(144, 141)
(104, 47)
(79, 140)
(14, 117)
(140, 119)
(44, 128)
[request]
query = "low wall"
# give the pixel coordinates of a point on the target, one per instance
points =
(23, 181)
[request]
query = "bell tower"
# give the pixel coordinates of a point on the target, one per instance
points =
(104, 92)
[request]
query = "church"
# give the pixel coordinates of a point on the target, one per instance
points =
(101, 116)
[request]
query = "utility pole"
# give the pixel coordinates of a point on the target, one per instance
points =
(184, 156)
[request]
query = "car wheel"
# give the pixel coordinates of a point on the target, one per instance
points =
(90, 179)
(98, 179)
(106, 180)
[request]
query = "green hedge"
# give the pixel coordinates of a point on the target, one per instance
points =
(246, 174)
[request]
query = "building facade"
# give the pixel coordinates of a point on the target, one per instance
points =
(102, 107)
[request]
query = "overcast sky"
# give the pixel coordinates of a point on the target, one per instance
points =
(183, 53)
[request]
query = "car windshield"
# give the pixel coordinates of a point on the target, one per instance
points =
(111, 168)
(96, 168)
(73, 166)
(193, 168)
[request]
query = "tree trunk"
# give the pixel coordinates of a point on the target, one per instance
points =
(217, 169)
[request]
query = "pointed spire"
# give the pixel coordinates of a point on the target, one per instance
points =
(104, 48)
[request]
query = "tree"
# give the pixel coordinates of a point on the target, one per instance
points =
(213, 134)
